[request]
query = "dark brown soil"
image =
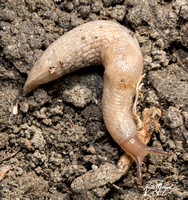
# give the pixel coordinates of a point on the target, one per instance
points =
(62, 136)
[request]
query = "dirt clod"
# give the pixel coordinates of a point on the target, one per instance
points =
(79, 96)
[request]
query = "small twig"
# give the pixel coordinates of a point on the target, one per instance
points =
(10, 155)
(88, 116)
(44, 173)
(3, 173)
(66, 188)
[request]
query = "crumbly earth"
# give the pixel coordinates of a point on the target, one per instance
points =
(55, 140)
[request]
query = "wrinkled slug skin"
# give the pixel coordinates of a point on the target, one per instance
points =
(110, 44)
(83, 46)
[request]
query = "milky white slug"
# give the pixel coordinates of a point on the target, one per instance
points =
(110, 44)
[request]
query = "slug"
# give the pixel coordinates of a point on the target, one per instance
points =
(110, 44)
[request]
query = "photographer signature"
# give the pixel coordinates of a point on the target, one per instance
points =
(157, 189)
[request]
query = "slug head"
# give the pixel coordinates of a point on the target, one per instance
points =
(137, 150)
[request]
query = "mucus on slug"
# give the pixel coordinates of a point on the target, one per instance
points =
(120, 54)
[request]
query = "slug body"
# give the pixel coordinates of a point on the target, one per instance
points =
(110, 44)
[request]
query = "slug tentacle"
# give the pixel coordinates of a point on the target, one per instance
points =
(158, 151)
(110, 44)
(140, 159)
(137, 150)
(139, 168)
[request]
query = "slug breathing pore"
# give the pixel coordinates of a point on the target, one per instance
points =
(110, 44)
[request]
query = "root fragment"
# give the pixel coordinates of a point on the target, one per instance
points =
(138, 89)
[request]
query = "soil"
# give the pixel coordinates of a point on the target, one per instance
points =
(54, 144)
